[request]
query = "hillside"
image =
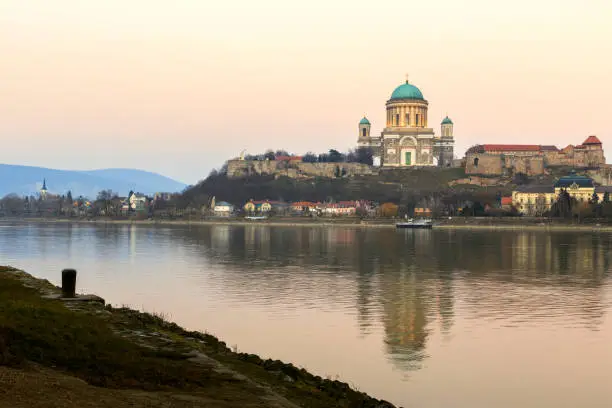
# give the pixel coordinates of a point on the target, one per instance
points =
(409, 187)
(26, 180)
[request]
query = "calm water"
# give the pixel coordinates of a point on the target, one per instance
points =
(420, 318)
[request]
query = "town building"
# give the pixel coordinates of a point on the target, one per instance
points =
(537, 199)
(532, 160)
(407, 140)
(223, 208)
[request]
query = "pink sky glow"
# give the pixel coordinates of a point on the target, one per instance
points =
(177, 87)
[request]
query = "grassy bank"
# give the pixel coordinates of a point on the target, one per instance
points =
(63, 353)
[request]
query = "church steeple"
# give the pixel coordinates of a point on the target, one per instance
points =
(43, 190)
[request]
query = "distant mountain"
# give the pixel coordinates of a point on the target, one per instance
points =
(28, 180)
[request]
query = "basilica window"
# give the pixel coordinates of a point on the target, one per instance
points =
(407, 119)
(476, 162)
(397, 119)
(417, 118)
(363, 132)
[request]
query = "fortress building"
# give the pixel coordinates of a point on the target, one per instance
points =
(406, 139)
(507, 160)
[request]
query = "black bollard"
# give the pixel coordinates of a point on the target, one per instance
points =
(69, 283)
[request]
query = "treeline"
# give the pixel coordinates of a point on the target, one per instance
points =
(567, 206)
(362, 155)
(424, 189)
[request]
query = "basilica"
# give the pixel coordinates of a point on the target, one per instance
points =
(406, 139)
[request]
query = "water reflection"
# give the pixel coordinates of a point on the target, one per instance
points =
(405, 293)
(407, 281)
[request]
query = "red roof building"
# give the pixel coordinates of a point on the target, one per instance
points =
(592, 140)
(288, 158)
(511, 148)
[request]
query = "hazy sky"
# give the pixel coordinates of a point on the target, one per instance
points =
(178, 86)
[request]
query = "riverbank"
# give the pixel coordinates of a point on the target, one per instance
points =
(473, 223)
(64, 352)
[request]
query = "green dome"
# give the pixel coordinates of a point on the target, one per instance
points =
(364, 121)
(407, 91)
(447, 121)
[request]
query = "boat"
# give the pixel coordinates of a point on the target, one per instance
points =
(255, 217)
(411, 223)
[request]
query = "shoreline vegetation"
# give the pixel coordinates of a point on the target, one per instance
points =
(57, 352)
(476, 223)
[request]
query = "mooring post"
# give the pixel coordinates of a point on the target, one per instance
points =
(69, 283)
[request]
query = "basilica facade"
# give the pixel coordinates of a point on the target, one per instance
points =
(407, 140)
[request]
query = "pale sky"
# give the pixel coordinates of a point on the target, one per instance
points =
(176, 87)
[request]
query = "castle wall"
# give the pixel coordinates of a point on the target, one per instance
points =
(498, 165)
(244, 168)
(484, 164)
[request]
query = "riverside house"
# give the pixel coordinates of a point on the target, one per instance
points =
(223, 208)
(537, 199)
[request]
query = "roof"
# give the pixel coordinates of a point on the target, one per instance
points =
(511, 148)
(506, 201)
(603, 189)
(592, 140)
(407, 91)
(364, 121)
(549, 148)
(446, 121)
(223, 204)
(303, 204)
(534, 189)
(568, 181)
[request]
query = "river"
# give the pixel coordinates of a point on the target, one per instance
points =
(423, 319)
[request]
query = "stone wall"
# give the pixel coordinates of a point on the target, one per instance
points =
(489, 164)
(484, 164)
(244, 168)
(576, 158)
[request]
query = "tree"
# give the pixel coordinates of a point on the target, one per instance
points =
(269, 155)
(520, 179)
(388, 210)
(364, 155)
(594, 199)
(309, 157)
(335, 156)
(282, 153)
(606, 197)
(563, 206)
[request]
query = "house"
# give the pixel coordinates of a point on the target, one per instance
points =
(342, 208)
(537, 199)
(136, 202)
(303, 206)
(422, 212)
(506, 203)
(223, 208)
(253, 206)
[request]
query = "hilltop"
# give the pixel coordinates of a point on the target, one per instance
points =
(27, 180)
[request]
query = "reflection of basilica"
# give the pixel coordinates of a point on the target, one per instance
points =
(404, 284)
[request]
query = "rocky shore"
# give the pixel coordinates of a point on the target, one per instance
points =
(57, 352)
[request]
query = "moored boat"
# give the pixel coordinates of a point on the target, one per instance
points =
(421, 223)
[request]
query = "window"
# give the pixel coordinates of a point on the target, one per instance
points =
(476, 162)
(397, 120)
(407, 119)
(363, 132)
(417, 118)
